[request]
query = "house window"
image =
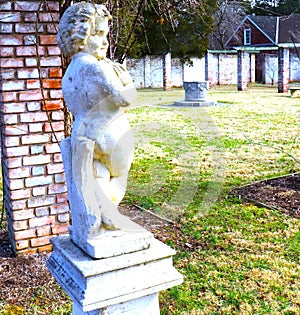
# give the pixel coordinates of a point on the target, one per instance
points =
(247, 36)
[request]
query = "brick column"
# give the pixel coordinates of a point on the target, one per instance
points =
(209, 68)
(283, 69)
(32, 124)
(147, 71)
(252, 67)
(243, 70)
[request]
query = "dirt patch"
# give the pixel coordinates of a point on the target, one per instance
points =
(281, 193)
(20, 277)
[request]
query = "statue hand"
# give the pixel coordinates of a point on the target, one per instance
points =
(122, 74)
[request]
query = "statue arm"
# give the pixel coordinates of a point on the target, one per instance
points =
(116, 82)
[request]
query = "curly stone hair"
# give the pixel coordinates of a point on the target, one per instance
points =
(76, 25)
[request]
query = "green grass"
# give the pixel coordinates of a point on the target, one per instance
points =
(187, 160)
(248, 259)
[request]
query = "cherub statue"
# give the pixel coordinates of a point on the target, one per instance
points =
(96, 90)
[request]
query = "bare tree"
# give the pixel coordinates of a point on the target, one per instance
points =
(227, 18)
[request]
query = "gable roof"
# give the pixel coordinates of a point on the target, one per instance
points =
(267, 25)
(289, 30)
(279, 30)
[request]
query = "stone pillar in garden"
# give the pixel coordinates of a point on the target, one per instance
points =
(283, 69)
(32, 124)
(209, 69)
(252, 68)
(243, 69)
(167, 72)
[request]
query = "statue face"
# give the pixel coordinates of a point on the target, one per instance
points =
(97, 43)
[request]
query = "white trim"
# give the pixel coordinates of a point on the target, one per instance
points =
(219, 51)
(277, 30)
(255, 49)
(247, 36)
(289, 45)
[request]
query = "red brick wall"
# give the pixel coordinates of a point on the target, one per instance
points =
(32, 123)
(257, 37)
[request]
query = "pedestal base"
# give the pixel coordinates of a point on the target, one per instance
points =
(146, 305)
(114, 243)
(194, 103)
(128, 282)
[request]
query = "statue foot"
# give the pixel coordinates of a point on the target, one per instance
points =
(110, 226)
(110, 221)
(115, 221)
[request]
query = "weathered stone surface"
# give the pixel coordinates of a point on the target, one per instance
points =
(98, 156)
(117, 266)
(94, 284)
(284, 69)
(195, 91)
(195, 95)
(193, 103)
(243, 70)
(131, 237)
(140, 306)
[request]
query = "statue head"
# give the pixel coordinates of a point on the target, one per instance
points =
(84, 27)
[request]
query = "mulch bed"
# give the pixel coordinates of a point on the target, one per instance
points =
(21, 276)
(281, 193)
(17, 273)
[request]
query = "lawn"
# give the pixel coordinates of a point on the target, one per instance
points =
(189, 159)
(239, 258)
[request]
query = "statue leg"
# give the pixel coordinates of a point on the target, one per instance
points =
(108, 197)
(112, 191)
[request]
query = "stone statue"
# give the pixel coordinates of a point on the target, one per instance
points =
(98, 156)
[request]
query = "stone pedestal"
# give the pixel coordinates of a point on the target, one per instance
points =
(124, 284)
(195, 91)
(195, 95)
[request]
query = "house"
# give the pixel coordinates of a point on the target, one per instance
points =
(264, 49)
(275, 42)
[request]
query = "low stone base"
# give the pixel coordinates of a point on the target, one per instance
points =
(114, 243)
(146, 305)
(129, 282)
(194, 103)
